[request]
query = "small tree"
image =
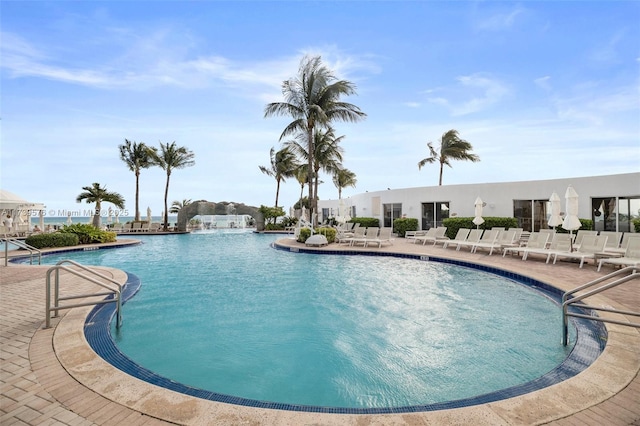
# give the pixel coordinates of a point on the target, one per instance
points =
(451, 148)
(97, 194)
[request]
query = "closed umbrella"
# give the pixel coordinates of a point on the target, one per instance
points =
(148, 214)
(69, 221)
(41, 220)
(109, 217)
(117, 216)
(571, 221)
(478, 220)
(555, 219)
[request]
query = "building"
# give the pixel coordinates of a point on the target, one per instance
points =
(610, 201)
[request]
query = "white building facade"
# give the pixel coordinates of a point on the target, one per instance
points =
(610, 201)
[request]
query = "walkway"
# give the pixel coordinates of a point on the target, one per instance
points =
(51, 377)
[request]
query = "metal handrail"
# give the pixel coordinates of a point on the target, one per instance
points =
(630, 272)
(116, 290)
(22, 245)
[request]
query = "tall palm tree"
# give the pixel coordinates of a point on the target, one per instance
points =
(136, 156)
(327, 153)
(451, 148)
(343, 178)
(170, 157)
(176, 206)
(312, 99)
(283, 165)
(97, 194)
(301, 174)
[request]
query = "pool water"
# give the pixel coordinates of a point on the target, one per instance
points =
(227, 313)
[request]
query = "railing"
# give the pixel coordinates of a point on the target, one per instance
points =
(113, 288)
(568, 298)
(20, 244)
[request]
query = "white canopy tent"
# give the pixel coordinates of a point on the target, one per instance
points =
(19, 209)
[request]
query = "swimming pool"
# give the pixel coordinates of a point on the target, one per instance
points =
(401, 327)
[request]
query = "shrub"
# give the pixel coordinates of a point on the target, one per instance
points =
(636, 224)
(274, 227)
(303, 235)
(402, 225)
(55, 239)
(455, 223)
(585, 224)
(89, 234)
(366, 221)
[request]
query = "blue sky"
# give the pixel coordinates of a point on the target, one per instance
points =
(541, 90)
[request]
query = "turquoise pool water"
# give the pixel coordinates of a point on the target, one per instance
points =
(227, 313)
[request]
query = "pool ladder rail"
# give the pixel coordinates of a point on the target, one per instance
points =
(572, 298)
(33, 252)
(113, 290)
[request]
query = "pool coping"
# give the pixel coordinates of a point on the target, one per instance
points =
(611, 372)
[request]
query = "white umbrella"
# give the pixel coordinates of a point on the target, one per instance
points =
(117, 216)
(109, 218)
(478, 220)
(69, 221)
(149, 214)
(571, 221)
(303, 215)
(41, 220)
(555, 218)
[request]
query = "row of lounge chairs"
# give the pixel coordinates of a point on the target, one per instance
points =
(604, 247)
(134, 227)
(365, 236)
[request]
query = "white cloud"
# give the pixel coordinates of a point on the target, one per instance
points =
(473, 94)
(543, 82)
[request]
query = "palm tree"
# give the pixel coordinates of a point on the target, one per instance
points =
(283, 165)
(451, 148)
(176, 206)
(136, 156)
(327, 154)
(312, 99)
(97, 194)
(301, 174)
(171, 157)
(343, 178)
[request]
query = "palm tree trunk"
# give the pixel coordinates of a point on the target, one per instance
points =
(166, 196)
(441, 168)
(277, 191)
(137, 218)
(310, 151)
(96, 215)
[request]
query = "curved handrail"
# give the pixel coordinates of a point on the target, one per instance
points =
(568, 298)
(22, 245)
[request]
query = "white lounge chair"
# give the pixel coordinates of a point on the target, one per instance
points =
(439, 233)
(613, 240)
(383, 237)
(536, 241)
(488, 236)
(347, 238)
(504, 238)
(461, 235)
(580, 235)
(411, 235)
(560, 242)
(370, 233)
(473, 237)
(631, 256)
(590, 245)
(626, 239)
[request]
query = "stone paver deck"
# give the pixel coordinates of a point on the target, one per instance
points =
(51, 376)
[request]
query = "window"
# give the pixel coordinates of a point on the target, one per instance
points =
(434, 213)
(615, 213)
(532, 215)
(391, 213)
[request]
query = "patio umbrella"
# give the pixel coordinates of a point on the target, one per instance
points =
(69, 221)
(117, 216)
(478, 220)
(571, 221)
(148, 214)
(555, 218)
(109, 217)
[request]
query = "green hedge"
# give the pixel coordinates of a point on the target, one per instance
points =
(366, 221)
(636, 224)
(89, 234)
(402, 225)
(305, 233)
(54, 239)
(455, 223)
(586, 224)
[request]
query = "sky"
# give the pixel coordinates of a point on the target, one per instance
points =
(541, 89)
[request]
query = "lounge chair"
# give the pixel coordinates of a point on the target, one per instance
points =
(560, 242)
(631, 255)
(590, 245)
(476, 237)
(439, 233)
(347, 238)
(461, 235)
(473, 237)
(626, 239)
(613, 240)
(536, 240)
(383, 237)
(411, 235)
(505, 238)
(580, 235)
(370, 234)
